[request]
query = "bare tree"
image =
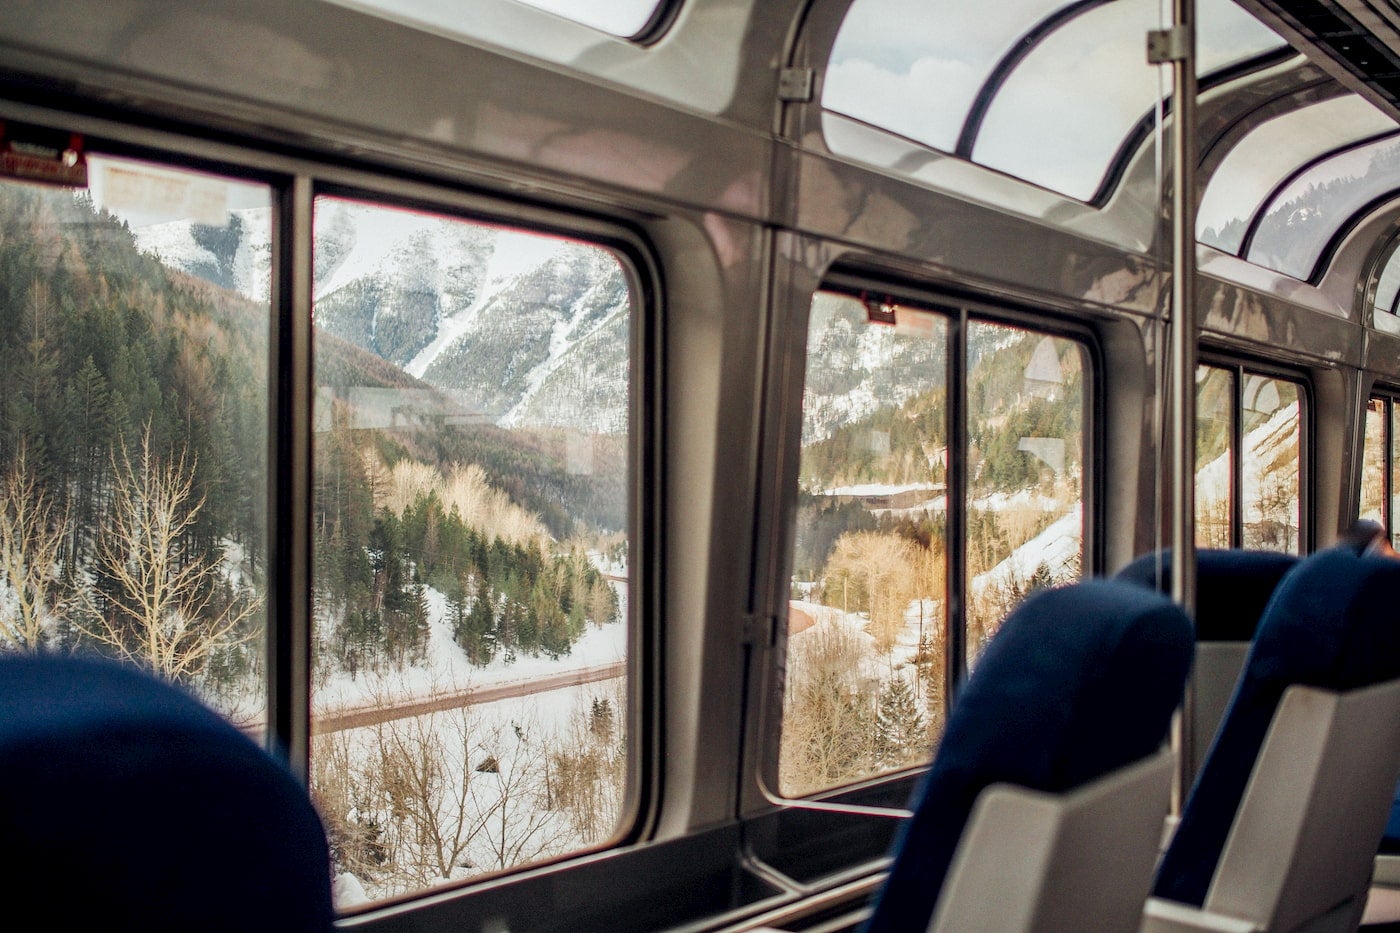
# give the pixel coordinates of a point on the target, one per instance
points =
(31, 540)
(828, 711)
(162, 609)
(588, 767)
(874, 571)
(413, 802)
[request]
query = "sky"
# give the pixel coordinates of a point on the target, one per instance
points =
(1064, 110)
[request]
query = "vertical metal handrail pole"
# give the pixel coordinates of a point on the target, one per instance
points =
(1183, 353)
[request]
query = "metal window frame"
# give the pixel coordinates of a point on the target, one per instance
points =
(961, 308)
(1239, 368)
(295, 178)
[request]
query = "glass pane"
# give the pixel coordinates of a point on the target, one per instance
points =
(623, 18)
(1373, 455)
(1388, 285)
(1272, 464)
(1215, 456)
(1305, 215)
(1025, 427)
(890, 53)
(866, 661)
(1065, 110)
(1227, 35)
(1270, 153)
(471, 554)
(133, 425)
(1394, 471)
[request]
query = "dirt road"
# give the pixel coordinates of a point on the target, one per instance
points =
(358, 718)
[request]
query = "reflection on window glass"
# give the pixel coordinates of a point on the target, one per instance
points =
(1305, 216)
(1272, 462)
(133, 426)
(865, 668)
(867, 655)
(1025, 525)
(1272, 152)
(470, 543)
(1215, 456)
(1373, 454)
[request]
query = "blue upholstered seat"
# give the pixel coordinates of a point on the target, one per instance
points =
(1078, 682)
(1232, 587)
(128, 805)
(1330, 624)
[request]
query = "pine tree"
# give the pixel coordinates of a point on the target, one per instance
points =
(901, 731)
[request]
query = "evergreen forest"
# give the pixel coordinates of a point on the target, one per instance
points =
(133, 451)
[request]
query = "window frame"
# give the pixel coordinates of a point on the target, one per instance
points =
(294, 180)
(1389, 397)
(959, 307)
(1239, 367)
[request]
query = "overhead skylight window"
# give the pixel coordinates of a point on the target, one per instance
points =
(1045, 90)
(624, 18)
(1063, 112)
(1388, 288)
(1270, 154)
(916, 68)
(1309, 211)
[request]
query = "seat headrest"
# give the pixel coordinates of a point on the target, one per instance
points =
(1232, 587)
(1079, 681)
(131, 805)
(1330, 624)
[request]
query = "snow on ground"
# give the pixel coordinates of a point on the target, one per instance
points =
(447, 669)
(880, 489)
(1057, 547)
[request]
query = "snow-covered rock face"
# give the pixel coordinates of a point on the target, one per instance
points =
(529, 330)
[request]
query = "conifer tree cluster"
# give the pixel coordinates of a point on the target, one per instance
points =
(126, 381)
(129, 383)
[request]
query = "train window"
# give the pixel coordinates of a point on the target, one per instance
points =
(1079, 92)
(1047, 91)
(1273, 151)
(867, 645)
(1387, 294)
(1381, 462)
(1025, 425)
(1215, 456)
(1303, 217)
(133, 425)
(470, 703)
(1248, 460)
(626, 19)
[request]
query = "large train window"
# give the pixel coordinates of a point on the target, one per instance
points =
(134, 321)
(883, 473)
(1249, 459)
(1047, 90)
(470, 704)
(1381, 462)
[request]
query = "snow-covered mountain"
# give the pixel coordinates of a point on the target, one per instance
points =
(528, 330)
